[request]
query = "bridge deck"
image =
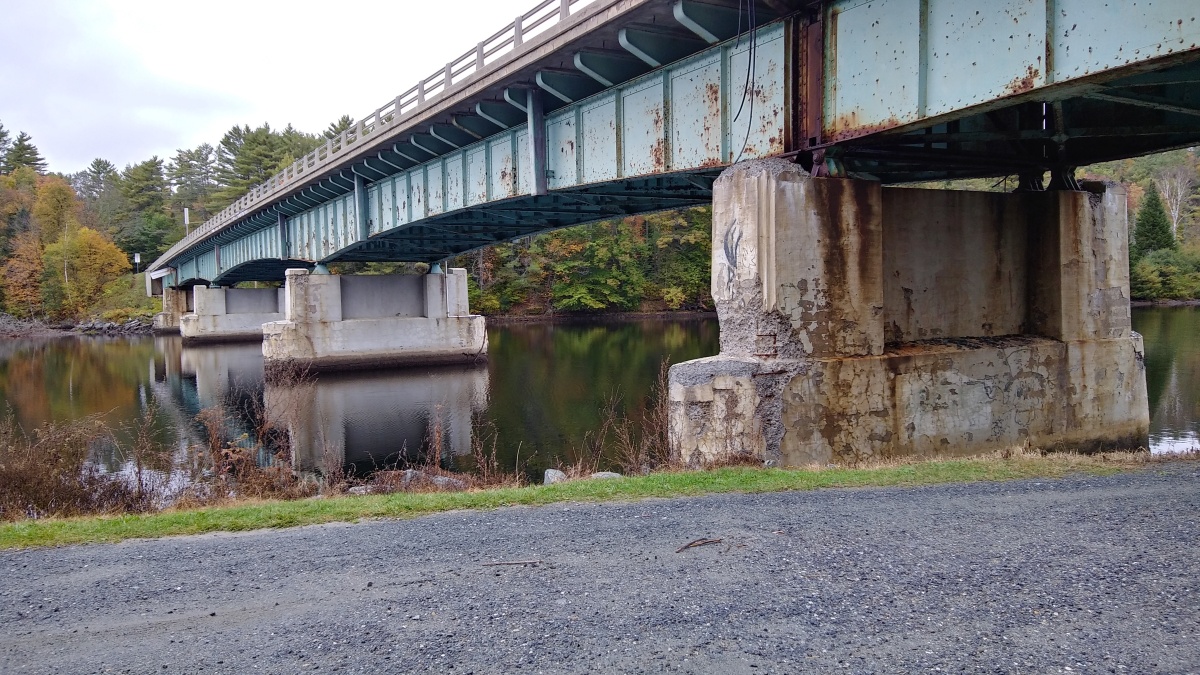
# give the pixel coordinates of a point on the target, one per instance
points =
(628, 106)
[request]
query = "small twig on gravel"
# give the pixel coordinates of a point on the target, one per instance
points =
(514, 562)
(698, 542)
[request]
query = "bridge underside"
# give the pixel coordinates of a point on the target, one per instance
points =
(1095, 120)
(641, 110)
(440, 237)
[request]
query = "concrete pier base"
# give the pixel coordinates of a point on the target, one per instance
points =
(863, 322)
(176, 303)
(230, 314)
(335, 322)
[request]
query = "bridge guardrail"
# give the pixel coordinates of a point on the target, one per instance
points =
(506, 42)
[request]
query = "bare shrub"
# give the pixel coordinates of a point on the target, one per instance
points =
(428, 475)
(583, 459)
(642, 446)
(484, 450)
(638, 444)
(47, 473)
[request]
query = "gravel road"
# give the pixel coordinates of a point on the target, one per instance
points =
(1077, 575)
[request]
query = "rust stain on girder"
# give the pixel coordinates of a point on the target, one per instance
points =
(1022, 84)
(847, 126)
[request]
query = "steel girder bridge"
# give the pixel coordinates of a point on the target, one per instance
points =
(580, 111)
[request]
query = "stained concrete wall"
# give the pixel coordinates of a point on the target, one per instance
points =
(1082, 266)
(175, 305)
(317, 332)
(1005, 319)
(831, 298)
(955, 263)
(968, 264)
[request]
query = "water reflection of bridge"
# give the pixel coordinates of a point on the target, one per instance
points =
(355, 421)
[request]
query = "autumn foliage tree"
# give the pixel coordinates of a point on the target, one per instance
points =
(21, 277)
(55, 209)
(87, 261)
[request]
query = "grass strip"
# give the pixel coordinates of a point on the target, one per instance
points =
(246, 516)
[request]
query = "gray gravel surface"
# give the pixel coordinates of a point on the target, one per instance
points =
(1078, 575)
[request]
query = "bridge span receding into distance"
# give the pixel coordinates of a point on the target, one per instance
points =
(637, 105)
(857, 319)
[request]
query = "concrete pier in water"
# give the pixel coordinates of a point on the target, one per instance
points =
(859, 322)
(334, 322)
(230, 314)
(176, 302)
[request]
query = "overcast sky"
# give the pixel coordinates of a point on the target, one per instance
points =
(127, 79)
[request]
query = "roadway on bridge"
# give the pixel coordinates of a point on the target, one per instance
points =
(1087, 574)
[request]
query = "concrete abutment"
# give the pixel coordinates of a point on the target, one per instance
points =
(176, 303)
(862, 322)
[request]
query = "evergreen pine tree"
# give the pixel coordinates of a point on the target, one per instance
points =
(23, 153)
(5, 141)
(336, 128)
(194, 175)
(245, 158)
(94, 180)
(297, 144)
(145, 186)
(1153, 228)
(98, 186)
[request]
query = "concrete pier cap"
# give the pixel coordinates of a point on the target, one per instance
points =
(862, 322)
(348, 322)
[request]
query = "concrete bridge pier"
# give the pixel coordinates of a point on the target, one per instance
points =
(176, 303)
(863, 322)
(344, 322)
(230, 314)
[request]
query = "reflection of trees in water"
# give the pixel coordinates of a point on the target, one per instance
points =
(66, 379)
(550, 382)
(1172, 368)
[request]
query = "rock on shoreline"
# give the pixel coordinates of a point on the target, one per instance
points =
(12, 327)
(130, 327)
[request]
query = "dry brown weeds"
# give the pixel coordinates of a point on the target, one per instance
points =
(48, 473)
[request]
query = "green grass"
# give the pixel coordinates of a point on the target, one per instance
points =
(276, 514)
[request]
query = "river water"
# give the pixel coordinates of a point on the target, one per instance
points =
(541, 393)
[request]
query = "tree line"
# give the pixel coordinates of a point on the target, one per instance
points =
(64, 237)
(1164, 242)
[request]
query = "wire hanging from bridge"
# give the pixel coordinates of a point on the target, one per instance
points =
(751, 72)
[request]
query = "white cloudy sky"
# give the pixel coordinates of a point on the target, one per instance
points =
(127, 79)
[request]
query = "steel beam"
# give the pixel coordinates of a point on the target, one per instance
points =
(712, 23)
(537, 140)
(608, 68)
(657, 47)
(503, 116)
(360, 209)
